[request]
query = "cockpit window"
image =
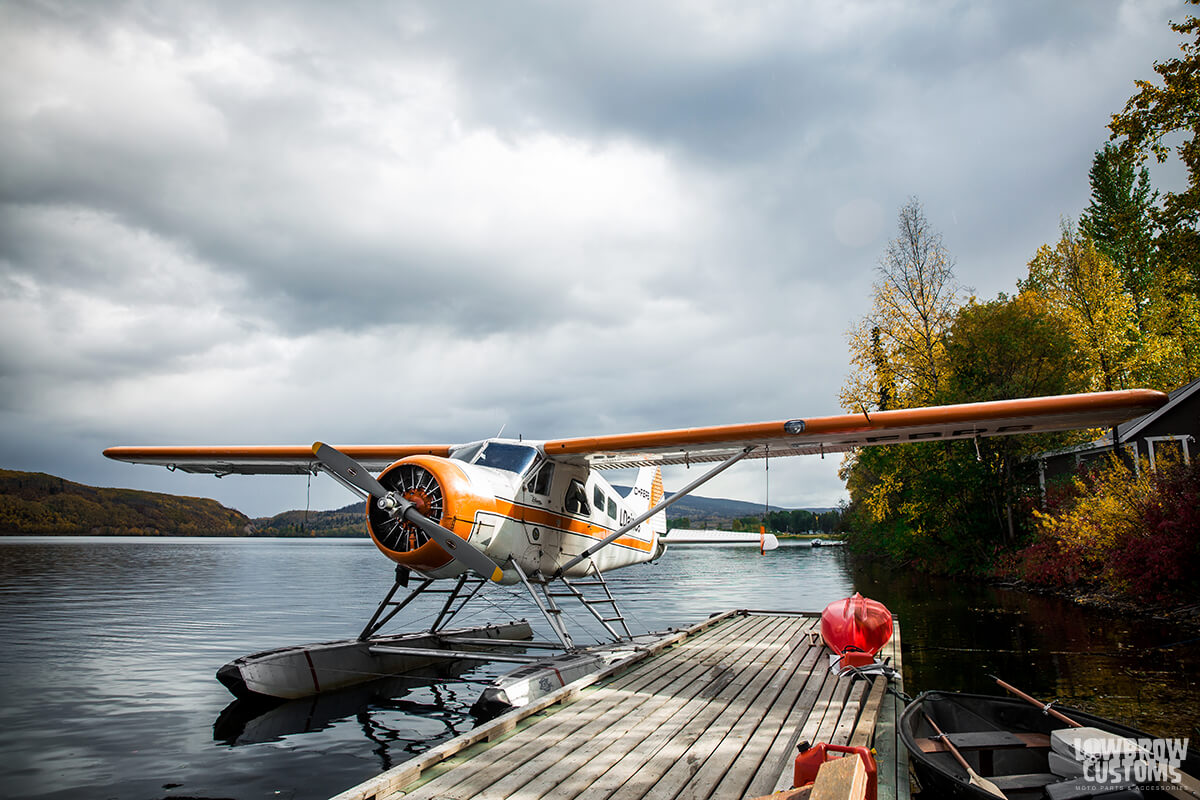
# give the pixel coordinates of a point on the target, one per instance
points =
(511, 457)
(540, 483)
(467, 452)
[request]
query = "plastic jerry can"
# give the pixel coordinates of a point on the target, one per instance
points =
(811, 757)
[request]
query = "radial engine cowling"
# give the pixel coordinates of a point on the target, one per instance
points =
(440, 490)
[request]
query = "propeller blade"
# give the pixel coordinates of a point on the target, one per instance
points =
(348, 470)
(471, 556)
(355, 474)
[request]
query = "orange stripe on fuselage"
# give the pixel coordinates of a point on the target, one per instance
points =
(531, 515)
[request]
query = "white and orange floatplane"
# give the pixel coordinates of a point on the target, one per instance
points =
(540, 514)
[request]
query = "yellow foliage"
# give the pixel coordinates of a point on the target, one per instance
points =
(880, 499)
(1170, 354)
(1107, 512)
(1087, 292)
(897, 351)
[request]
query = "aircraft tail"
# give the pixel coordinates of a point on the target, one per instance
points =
(647, 493)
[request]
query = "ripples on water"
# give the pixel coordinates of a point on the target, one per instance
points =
(110, 647)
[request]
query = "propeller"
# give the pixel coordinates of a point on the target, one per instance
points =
(347, 469)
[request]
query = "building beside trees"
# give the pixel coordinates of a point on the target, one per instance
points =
(1166, 436)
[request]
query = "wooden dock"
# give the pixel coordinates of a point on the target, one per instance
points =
(715, 710)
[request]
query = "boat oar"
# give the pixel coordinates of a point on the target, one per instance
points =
(976, 778)
(1044, 706)
(1187, 788)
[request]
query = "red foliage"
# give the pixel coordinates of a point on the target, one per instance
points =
(1161, 560)
(1046, 563)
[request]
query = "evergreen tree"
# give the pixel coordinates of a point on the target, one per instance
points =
(1118, 220)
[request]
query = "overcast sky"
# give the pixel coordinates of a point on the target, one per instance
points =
(360, 222)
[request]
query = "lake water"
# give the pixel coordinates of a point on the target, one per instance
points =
(108, 648)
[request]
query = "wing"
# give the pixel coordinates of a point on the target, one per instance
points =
(695, 445)
(264, 459)
(833, 434)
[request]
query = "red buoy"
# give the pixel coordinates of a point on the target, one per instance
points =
(856, 625)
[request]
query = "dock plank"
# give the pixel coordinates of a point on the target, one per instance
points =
(580, 770)
(619, 697)
(845, 723)
(658, 735)
(737, 781)
(612, 728)
(745, 742)
(389, 783)
(681, 758)
(715, 712)
(889, 753)
(864, 729)
(777, 764)
(812, 717)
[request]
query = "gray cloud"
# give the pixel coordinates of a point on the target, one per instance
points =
(271, 222)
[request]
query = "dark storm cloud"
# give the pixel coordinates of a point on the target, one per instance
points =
(264, 182)
(570, 218)
(656, 74)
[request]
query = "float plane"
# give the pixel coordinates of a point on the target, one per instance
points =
(540, 513)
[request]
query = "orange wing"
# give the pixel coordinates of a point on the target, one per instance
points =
(263, 459)
(848, 431)
(694, 445)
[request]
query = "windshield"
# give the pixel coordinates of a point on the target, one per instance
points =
(512, 457)
(467, 452)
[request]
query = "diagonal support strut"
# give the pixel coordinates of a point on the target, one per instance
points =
(682, 493)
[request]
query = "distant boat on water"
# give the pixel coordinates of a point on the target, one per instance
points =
(767, 541)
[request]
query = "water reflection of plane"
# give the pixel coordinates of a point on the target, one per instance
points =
(255, 720)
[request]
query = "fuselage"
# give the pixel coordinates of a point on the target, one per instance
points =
(511, 501)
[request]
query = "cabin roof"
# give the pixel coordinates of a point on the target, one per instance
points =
(1130, 429)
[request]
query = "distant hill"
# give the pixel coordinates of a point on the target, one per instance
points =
(347, 522)
(37, 503)
(714, 512)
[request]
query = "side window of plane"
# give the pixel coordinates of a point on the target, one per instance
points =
(612, 508)
(541, 482)
(597, 498)
(576, 500)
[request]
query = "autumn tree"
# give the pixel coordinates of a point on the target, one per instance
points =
(1156, 117)
(1086, 291)
(1170, 352)
(999, 350)
(1007, 348)
(897, 350)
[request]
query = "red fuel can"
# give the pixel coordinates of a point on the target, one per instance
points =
(811, 757)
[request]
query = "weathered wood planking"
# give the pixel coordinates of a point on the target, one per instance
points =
(715, 713)
(603, 716)
(890, 755)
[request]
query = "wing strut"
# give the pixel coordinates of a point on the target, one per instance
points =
(682, 493)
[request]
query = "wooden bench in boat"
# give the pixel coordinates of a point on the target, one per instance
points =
(985, 740)
(984, 743)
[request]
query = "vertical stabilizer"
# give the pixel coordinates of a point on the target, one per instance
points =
(647, 493)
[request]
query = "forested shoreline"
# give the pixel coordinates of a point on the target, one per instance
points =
(1113, 304)
(37, 504)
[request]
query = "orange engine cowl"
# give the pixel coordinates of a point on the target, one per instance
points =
(441, 491)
